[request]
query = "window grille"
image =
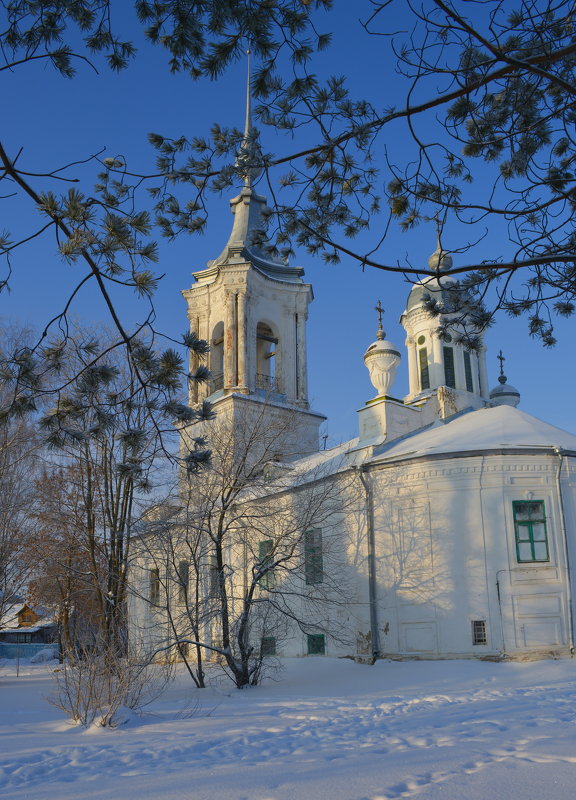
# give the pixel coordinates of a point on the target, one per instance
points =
(479, 632)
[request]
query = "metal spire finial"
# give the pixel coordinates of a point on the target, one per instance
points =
(502, 379)
(248, 124)
(249, 151)
(380, 333)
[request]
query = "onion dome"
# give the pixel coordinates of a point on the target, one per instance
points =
(439, 261)
(504, 394)
(382, 359)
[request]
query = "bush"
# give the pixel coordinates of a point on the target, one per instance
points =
(96, 686)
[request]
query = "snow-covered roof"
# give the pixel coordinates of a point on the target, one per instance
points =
(499, 428)
(9, 620)
(487, 429)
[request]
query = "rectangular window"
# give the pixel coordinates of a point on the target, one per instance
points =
(313, 562)
(479, 632)
(449, 373)
(213, 578)
(265, 560)
(530, 529)
(214, 582)
(183, 577)
(424, 371)
(316, 644)
(154, 585)
(468, 371)
(267, 646)
(23, 638)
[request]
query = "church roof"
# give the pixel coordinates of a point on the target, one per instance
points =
(499, 428)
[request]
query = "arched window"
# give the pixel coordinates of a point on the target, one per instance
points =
(217, 357)
(266, 353)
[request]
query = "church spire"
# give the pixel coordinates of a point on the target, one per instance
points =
(248, 240)
(249, 153)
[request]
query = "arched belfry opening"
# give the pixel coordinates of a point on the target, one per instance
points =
(217, 357)
(267, 359)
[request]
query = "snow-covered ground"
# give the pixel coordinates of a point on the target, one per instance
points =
(324, 729)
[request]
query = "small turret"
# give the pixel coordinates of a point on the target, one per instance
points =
(437, 352)
(382, 359)
(504, 394)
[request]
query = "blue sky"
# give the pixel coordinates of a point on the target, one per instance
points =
(57, 121)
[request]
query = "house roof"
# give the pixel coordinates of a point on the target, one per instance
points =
(9, 620)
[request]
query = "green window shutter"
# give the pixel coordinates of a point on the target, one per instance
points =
(468, 371)
(265, 559)
(449, 372)
(530, 530)
(316, 644)
(424, 370)
(313, 561)
(183, 578)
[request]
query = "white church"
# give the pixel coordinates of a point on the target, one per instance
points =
(463, 542)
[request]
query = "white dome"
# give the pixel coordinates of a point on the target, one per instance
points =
(505, 395)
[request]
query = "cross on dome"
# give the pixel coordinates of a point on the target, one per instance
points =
(380, 334)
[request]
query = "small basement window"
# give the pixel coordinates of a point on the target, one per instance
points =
(479, 632)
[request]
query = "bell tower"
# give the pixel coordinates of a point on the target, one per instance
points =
(252, 309)
(434, 361)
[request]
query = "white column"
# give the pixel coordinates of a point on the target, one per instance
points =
(413, 377)
(301, 360)
(229, 341)
(242, 354)
(459, 377)
(482, 372)
(437, 377)
(194, 362)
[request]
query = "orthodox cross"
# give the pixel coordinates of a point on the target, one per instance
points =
(501, 359)
(378, 308)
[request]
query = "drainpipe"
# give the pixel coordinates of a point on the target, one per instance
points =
(373, 599)
(559, 452)
(499, 596)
